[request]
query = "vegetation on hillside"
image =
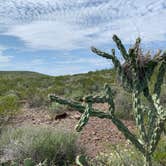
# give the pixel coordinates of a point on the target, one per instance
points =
(33, 88)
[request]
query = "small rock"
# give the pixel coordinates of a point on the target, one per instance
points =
(61, 116)
(94, 133)
(48, 122)
(96, 138)
(77, 116)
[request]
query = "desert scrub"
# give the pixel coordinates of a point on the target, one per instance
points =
(39, 143)
(123, 104)
(160, 154)
(119, 155)
(127, 155)
(9, 106)
(56, 109)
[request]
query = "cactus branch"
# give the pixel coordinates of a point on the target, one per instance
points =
(96, 113)
(120, 47)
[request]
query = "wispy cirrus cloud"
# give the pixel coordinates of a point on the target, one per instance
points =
(70, 24)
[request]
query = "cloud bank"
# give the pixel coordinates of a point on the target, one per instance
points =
(70, 24)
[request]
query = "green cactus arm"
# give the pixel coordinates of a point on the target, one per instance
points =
(159, 123)
(161, 113)
(156, 114)
(84, 118)
(137, 107)
(109, 98)
(78, 106)
(138, 113)
(160, 78)
(81, 160)
(137, 46)
(126, 83)
(120, 47)
(121, 127)
(96, 113)
(158, 53)
(107, 56)
(73, 104)
(150, 66)
(159, 57)
(95, 99)
(157, 118)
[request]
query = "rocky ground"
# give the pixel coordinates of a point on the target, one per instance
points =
(94, 137)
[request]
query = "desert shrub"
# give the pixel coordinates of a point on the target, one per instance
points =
(57, 109)
(36, 97)
(9, 105)
(40, 143)
(123, 104)
(160, 154)
(119, 155)
(126, 155)
(76, 94)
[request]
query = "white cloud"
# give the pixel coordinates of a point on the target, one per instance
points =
(70, 24)
(49, 34)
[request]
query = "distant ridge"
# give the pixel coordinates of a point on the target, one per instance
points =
(21, 73)
(33, 73)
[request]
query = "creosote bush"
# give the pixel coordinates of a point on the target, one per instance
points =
(9, 106)
(57, 109)
(126, 155)
(39, 144)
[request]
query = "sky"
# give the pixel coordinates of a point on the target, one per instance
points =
(54, 36)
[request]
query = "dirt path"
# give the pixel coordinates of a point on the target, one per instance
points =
(94, 137)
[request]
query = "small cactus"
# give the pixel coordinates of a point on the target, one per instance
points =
(81, 160)
(135, 76)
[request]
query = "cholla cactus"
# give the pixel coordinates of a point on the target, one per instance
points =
(135, 76)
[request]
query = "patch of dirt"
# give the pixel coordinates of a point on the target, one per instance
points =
(94, 137)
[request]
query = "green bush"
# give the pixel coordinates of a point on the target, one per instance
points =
(40, 143)
(123, 104)
(160, 154)
(9, 105)
(57, 109)
(119, 155)
(126, 155)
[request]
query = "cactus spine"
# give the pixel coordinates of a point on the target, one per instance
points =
(135, 75)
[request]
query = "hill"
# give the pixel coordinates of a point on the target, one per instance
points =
(34, 87)
(16, 74)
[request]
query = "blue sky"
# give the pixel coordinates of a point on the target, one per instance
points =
(54, 36)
